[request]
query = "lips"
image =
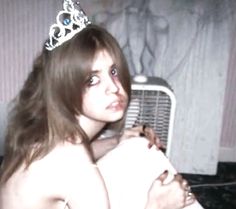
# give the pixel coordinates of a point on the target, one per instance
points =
(117, 105)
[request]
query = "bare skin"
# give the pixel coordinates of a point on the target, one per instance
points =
(101, 146)
(56, 185)
(67, 177)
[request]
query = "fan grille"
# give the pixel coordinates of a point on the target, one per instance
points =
(153, 104)
(152, 108)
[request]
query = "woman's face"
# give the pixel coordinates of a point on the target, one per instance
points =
(104, 99)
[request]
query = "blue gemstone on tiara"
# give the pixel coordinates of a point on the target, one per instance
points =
(66, 21)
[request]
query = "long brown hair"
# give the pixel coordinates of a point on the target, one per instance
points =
(45, 110)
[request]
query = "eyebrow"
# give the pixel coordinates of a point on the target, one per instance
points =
(113, 65)
(98, 70)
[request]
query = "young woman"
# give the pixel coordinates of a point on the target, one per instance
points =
(72, 93)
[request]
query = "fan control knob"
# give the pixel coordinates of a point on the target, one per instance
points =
(140, 78)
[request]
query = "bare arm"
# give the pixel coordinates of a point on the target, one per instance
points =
(101, 146)
(83, 185)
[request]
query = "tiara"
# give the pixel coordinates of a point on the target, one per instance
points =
(70, 21)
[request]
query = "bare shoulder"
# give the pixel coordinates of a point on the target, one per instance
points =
(80, 178)
(69, 152)
(60, 164)
(60, 175)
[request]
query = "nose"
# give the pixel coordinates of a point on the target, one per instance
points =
(112, 86)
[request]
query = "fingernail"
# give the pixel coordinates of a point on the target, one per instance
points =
(149, 146)
(166, 171)
(162, 149)
(141, 134)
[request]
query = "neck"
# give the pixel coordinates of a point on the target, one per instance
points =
(90, 127)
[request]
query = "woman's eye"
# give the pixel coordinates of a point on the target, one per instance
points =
(114, 72)
(93, 80)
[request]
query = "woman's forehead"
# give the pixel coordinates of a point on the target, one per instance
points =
(102, 59)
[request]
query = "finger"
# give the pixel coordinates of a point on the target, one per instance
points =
(138, 128)
(131, 132)
(185, 185)
(163, 176)
(150, 135)
(147, 132)
(178, 178)
(135, 131)
(159, 144)
(152, 140)
(144, 127)
(190, 199)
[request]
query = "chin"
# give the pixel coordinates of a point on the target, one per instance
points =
(115, 117)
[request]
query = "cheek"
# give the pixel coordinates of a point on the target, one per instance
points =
(86, 102)
(94, 94)
(91, 99)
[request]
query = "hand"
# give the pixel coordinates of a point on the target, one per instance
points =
(143, 131)
(173, 195)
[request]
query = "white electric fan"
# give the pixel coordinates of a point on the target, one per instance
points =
(152, 102)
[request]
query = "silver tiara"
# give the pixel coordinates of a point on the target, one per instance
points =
(70, 21)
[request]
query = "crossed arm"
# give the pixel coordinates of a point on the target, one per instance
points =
(101, 146)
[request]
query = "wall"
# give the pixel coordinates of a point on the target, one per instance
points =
(188, 43)
(3, 120)
(228, 139)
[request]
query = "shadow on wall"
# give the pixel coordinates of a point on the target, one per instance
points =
(3, 121)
